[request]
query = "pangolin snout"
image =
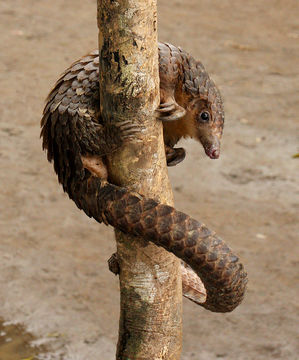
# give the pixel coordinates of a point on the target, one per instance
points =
(213, 152)
(212, 147)
(210, 143)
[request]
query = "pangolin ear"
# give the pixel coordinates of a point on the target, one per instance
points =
(194, 104)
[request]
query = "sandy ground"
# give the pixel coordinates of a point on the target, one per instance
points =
(53, 272)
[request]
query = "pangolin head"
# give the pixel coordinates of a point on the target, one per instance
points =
(206, 110)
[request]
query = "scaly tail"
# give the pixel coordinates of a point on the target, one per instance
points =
(219, 269)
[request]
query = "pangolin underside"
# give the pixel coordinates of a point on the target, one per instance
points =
(72, 128)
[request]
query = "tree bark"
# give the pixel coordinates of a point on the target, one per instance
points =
(150, 324)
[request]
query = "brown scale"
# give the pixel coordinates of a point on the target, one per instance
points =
(77, 142)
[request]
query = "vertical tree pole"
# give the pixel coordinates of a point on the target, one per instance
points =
(150, 280)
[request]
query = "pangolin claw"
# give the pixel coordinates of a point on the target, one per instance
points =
(163, 109)
(129, 130)
(170, 111)
(113, 264)
(175, 155)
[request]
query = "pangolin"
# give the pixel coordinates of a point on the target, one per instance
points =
(77, 141)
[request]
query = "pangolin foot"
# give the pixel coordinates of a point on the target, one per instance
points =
(170, 111)
(113, 264)
(125, 130)
(174, 155)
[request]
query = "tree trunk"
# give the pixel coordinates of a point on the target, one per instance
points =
(150, 278)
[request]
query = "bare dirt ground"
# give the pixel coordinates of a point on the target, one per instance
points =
(53, 273)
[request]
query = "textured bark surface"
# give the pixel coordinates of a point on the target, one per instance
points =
(150, 279)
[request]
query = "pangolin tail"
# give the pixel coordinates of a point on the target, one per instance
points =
(210, 258)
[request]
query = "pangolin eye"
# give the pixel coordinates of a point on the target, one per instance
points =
(205, 116)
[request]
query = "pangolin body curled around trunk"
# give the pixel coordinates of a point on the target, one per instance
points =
(72, 133)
